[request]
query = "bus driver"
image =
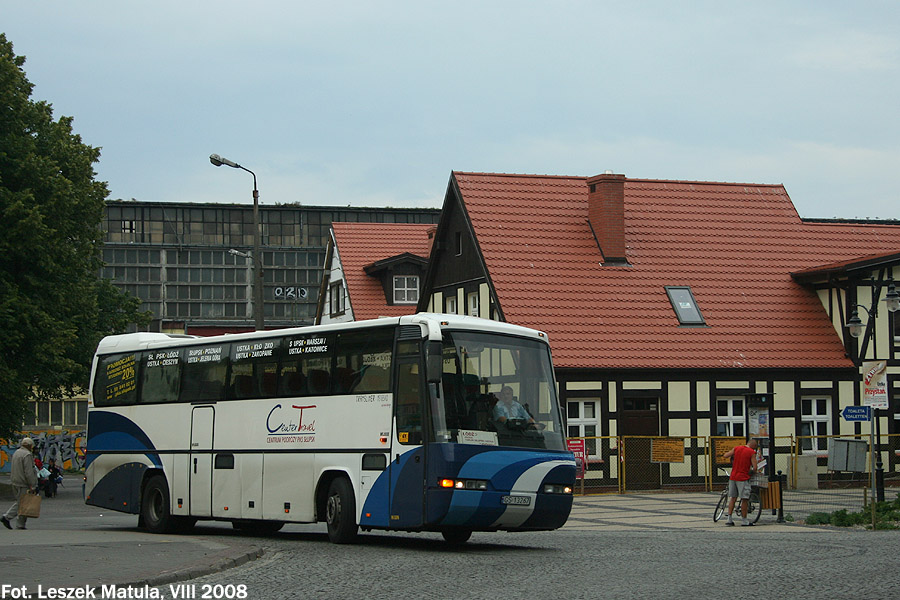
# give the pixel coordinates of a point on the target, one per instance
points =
(508, 408)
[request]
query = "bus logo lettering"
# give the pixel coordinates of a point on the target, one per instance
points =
(275, 426)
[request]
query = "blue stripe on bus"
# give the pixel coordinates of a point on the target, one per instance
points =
(376, 511)
(108, 431)
(465, 508)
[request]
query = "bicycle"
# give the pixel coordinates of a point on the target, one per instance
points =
(754, 506)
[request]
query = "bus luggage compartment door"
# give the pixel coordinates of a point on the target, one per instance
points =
(200, 465)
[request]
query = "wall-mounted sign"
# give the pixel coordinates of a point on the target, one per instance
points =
(667, 450)
(875, 384)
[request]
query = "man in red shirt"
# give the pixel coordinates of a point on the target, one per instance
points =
(743, 465)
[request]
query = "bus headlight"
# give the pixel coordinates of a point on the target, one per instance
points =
(464, 484)
(557, 488)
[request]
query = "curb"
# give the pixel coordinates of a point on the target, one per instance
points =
(228, 562)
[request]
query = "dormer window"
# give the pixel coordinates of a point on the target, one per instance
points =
(406, 289)
(682, 299)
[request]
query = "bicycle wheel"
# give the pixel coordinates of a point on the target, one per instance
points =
(721, 506)
(754, 509)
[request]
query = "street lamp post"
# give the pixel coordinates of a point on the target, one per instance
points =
(258, 309)
(856, 328)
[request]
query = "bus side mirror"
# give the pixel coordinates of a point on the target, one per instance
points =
(434, 362)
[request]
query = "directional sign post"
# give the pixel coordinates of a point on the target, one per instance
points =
(857, 413)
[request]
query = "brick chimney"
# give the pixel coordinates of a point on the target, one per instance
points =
(606, 215)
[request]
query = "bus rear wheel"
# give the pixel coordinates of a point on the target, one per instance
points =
(155, 513)
(340, 512)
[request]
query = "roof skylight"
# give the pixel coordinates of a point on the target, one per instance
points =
(682, 299)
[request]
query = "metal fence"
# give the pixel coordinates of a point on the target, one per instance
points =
(815, 479)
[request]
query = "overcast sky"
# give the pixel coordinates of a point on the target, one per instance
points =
(375, 103)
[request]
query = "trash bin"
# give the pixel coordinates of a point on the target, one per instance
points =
(770, 496)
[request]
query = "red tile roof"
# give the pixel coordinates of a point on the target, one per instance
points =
(361, 244)
(735, 245)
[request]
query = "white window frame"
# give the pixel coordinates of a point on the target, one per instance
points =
(582, 426)
(815, 422)
(403, 291)
(336, 304)
(731, 416)
(451, 305)
(473, 304)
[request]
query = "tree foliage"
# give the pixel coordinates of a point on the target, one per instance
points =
(54, 307)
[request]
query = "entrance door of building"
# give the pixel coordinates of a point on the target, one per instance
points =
(640, 417)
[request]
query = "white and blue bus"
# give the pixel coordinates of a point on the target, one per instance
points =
(389, 424)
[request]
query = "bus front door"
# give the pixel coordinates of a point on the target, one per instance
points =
(407, 489)
(202, 419)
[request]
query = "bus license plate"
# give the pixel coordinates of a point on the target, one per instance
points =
(517, 500)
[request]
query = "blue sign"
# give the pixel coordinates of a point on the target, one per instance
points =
(857, 413)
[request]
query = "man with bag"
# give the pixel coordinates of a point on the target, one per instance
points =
(23, 479)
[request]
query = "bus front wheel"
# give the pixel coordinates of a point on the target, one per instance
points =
(456, 536)
(155, 513)
(340, 512)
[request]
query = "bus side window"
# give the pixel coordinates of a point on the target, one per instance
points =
(116, 381)
(306, 368)
(319, 382)
(204, 373)
(160, 376)
(254, 364)
(358, 351)
(372, 379)
(292, 381)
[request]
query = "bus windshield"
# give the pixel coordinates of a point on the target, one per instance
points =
(497, 390)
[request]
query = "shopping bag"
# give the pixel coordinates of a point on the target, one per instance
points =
(30, 505)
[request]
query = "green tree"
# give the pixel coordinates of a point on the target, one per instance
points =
(54, 307)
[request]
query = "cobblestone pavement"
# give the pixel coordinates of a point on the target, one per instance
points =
(640, 546)
(629, 546)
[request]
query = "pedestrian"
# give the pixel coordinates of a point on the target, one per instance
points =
(23, 479)
(742, 467)
(53, 479)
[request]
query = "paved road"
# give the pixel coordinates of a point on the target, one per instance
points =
(632, 546)
(72, 545)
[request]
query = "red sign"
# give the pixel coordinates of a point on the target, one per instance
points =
(576, 447)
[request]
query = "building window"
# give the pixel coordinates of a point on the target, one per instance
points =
(682, 299)
(451, 305)
(43, 414)
(458, 243)
(127, 226)
(336, 298)
(406, 289)
(473, 304)
(30, 415)
(730, 417)
(815, 417)
(581, 417)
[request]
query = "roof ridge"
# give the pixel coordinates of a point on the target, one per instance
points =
(689, 181)
(519, 175)
(627, 179)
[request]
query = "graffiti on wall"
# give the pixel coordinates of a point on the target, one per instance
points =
(66, 446)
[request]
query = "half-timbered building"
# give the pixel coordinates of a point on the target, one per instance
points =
(668, 302)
